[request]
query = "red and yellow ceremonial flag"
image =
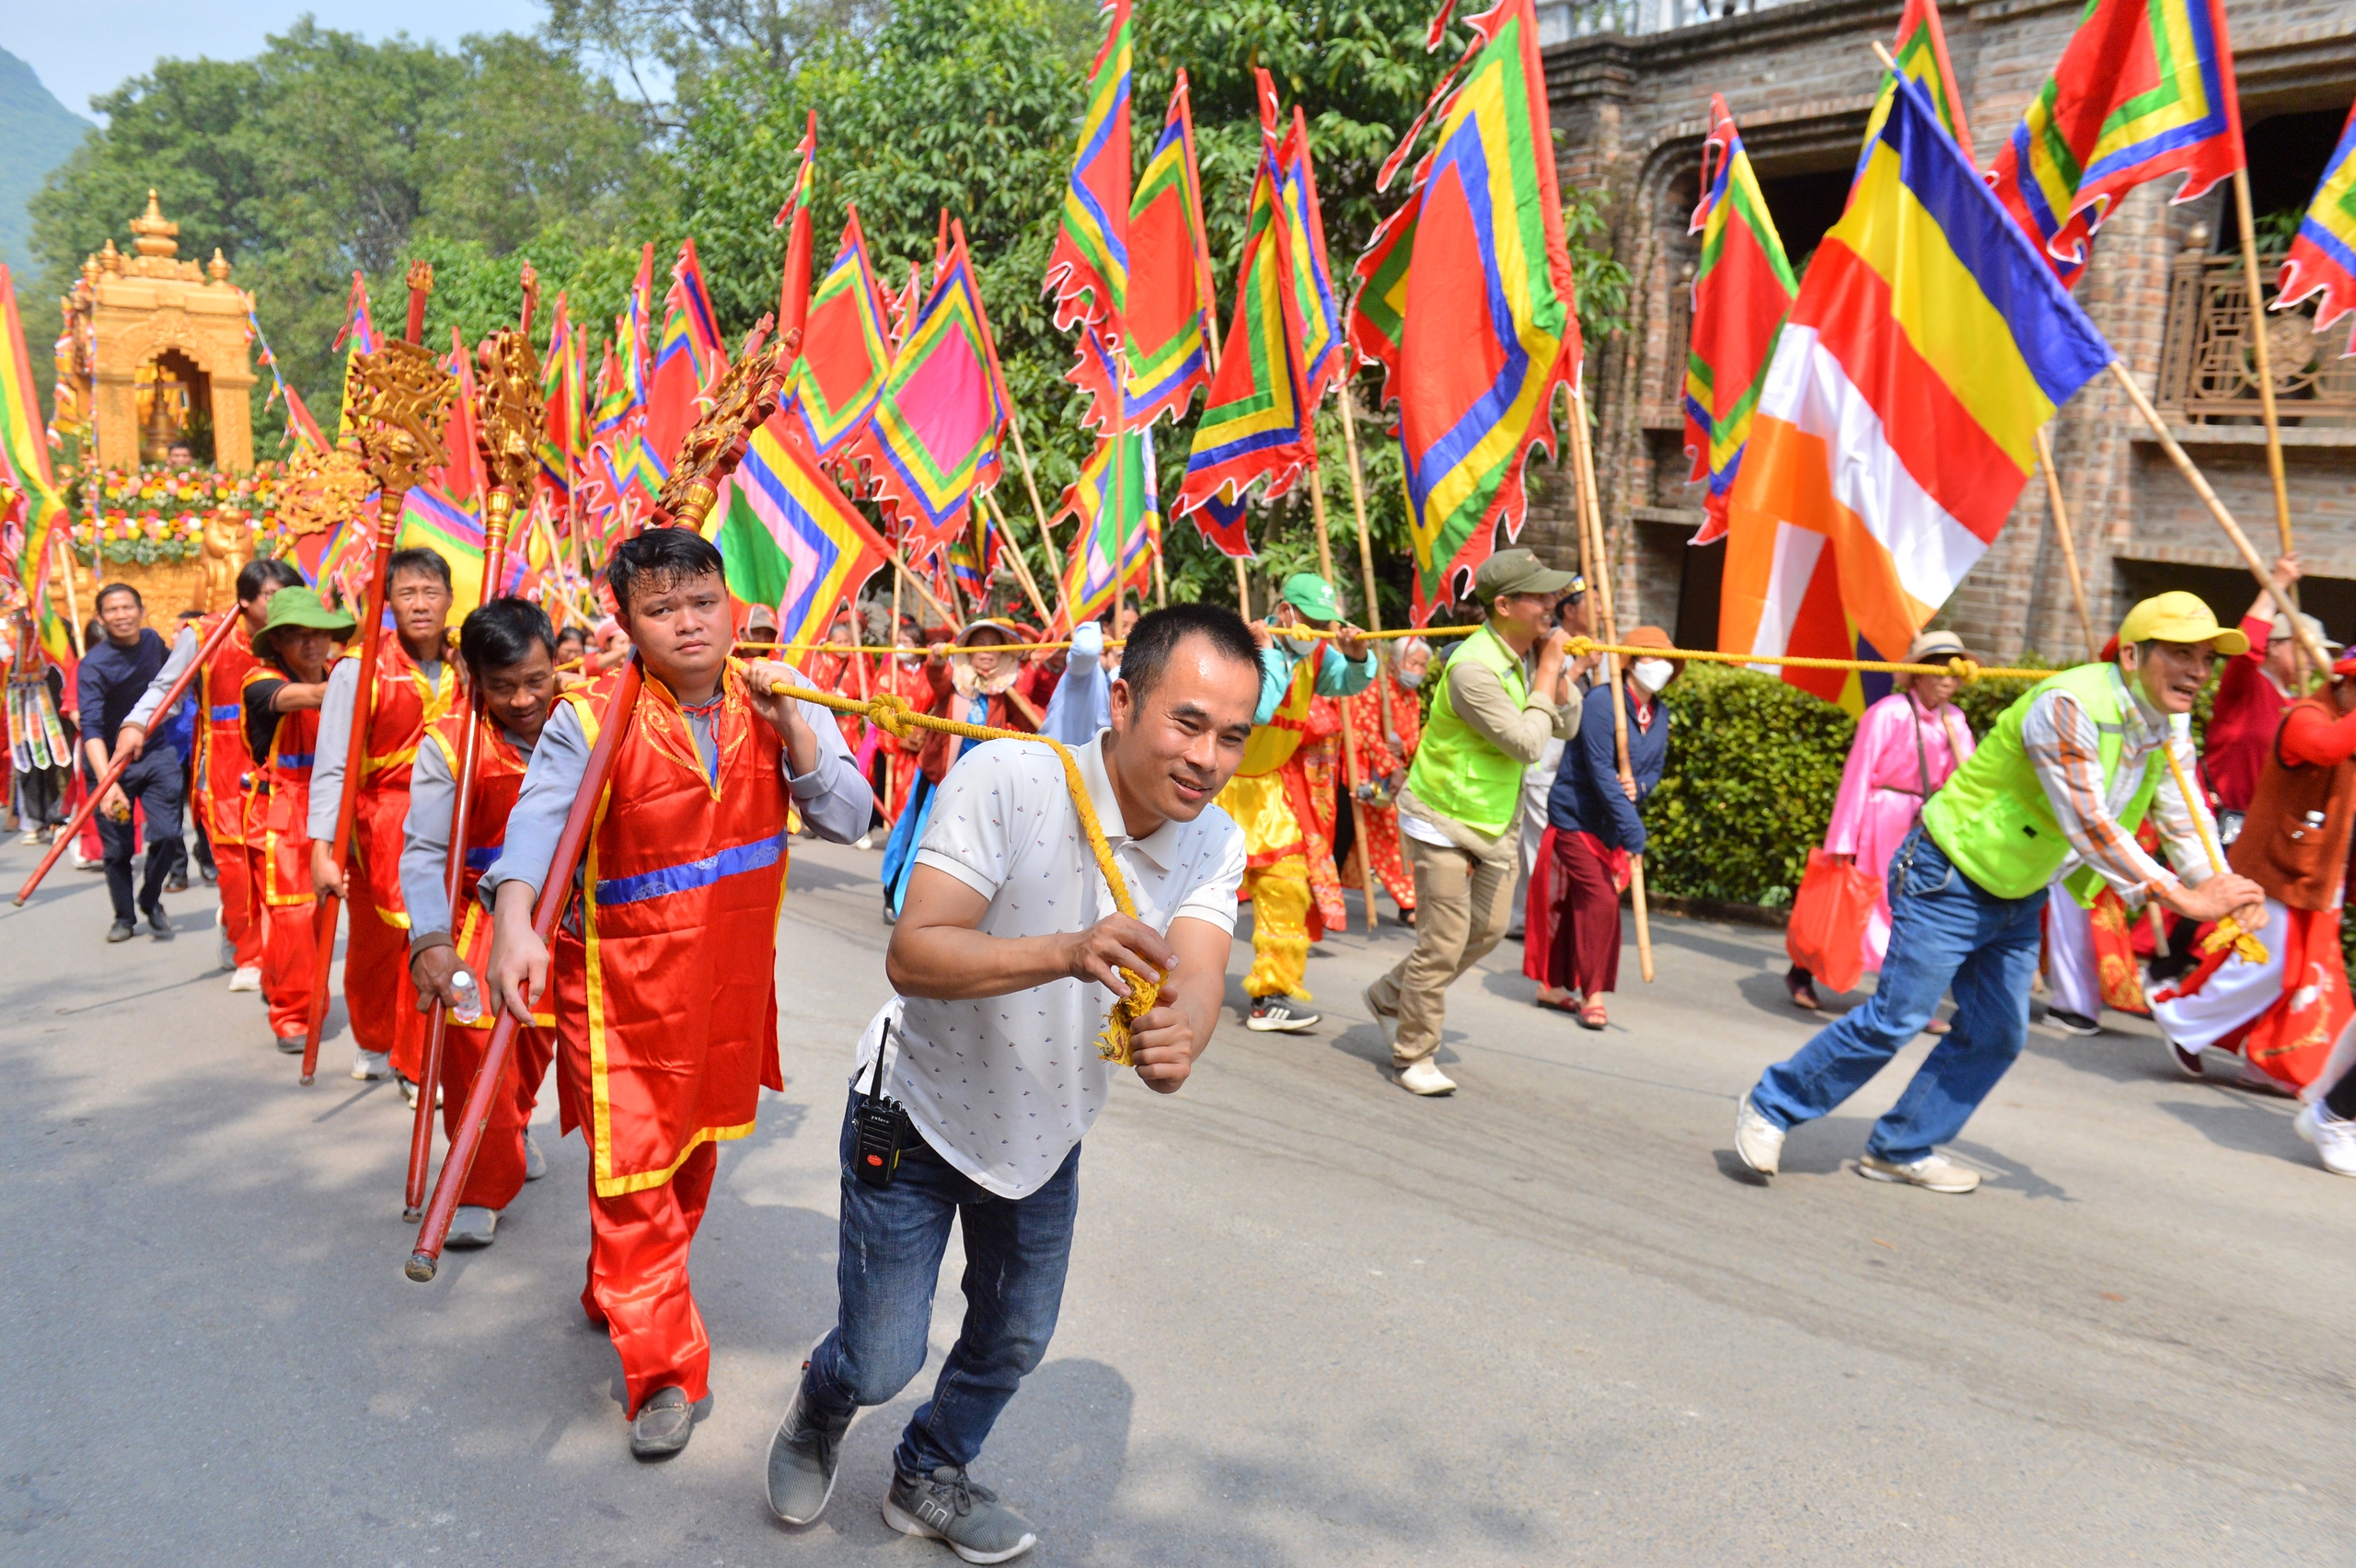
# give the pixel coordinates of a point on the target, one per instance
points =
(1323, 354)
(2144, 87)
(846, 353)
(565, 439)
(2323, 255)
(461, 472)
(689, 357)
(1743, 291)
(24, 467)
(1465, 300)
(1921, 50)
(793, 292)
(1171, 302)
(789, 539)
(1110, 533)
(1087, 270)
(1256, 422)
(1898, 420)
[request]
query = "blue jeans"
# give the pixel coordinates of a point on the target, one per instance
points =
(893, 1239)
(1945, 931)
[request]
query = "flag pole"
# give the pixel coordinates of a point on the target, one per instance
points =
(2263, 353)
(1014, 553)
(1591, 519)
(2200, 483)
(1349, 730)
(2061, 533)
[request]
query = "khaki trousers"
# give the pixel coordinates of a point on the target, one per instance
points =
(1461, 902)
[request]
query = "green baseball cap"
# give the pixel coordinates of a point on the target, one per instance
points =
(1312, 597)
(302, 607)
(1518, 572)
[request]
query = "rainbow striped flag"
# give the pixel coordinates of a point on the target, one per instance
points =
(2323, 254)
(846, 354)
(1323, 352)
(933, 443)
(1088, 270)
(1465, 300)
(1898, 420)
(1107, 534)
(1255, 424)
(1921, 50)
(1171, 299)
(431, 521)
(24, 465)
(1743, 291)
(2143, 88)
(360, 333)
(788, 537)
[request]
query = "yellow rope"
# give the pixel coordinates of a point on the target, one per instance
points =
(890, 713)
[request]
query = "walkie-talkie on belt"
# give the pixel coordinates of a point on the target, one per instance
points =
(882, 1124)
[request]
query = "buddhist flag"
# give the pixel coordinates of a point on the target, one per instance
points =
(2323, 254)
(1897, 423)
(430, 520)
(1118, 523)
(933, 443)
(1465, 300)
(793, 292)
(1742, 290)
(1088, 270)
(24, 465)
(1323, 354)
(1171, 302)
(846, 354)
(1256, 422)
(2144, 88)
(1921, 50)
(789, 539)
(358, 337)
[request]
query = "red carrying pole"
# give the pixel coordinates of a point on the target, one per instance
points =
(459, 1163)
(172, 695)
(499, 508)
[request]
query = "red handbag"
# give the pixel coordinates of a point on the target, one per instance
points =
(1827, 936)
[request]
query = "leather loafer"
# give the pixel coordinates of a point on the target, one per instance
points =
(663, 1425)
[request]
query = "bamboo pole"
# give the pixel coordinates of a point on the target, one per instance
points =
(907, 575)
(1600, 586)
(2264, 352)
(2200, 483)
(1022, 567)
(2062, 536)
(1243, 588)
(1358, 505)
(1349, 730)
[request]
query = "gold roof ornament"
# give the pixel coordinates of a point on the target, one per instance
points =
(154, 234)
(218, 267)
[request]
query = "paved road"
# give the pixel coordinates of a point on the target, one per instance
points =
(1310, 1319)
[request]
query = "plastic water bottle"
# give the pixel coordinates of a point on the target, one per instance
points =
(469, 1006)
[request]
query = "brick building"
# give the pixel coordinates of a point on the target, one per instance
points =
(1630, 81)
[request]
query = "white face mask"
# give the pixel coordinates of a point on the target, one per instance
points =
(1411, 679)
(1301, 646)
(1652, 673)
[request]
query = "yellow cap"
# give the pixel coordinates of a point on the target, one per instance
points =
(2179, 617)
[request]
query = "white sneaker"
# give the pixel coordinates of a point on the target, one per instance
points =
(247, 977)
(2335, 1142)
(864, 841)
(368, 1066)
(1932, 1172)
(536, 1164)
(1758, 1142)
(34, 836)
(84, 863)
(1425, 1077)
(471, 1225)
(2304, 1124)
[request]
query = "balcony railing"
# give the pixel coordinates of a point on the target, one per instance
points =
(1561, 20)
(2208, 363)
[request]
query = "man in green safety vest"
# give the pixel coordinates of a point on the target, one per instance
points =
(2056, 791)
(1458, 810)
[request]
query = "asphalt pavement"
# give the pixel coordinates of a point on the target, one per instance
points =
(1310, 1319)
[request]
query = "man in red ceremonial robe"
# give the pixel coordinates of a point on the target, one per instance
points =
(905, 677)
(282, 695)
(221, 764)
(510, 654)
(416, 684)
(666, 998)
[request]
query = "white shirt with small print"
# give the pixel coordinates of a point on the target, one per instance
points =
(1004, 1087)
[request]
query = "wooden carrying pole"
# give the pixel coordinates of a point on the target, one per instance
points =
(1591, 521)
(2063, 536)
(745, 397)
(117, 763)
(399, 432)
(2200, 483)
(1349, 730)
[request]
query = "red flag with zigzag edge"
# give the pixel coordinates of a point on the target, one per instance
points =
(2323, 254)
(1322, 351)
(1466, 300)
(845, 347)
(1742, 290)
(1088, 270)
(689, 357)
(793, 289)
(461, 474)
(1171, 299)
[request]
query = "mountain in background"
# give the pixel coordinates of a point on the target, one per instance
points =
(36, 133)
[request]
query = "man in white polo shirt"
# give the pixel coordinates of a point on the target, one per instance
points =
(1004, 963)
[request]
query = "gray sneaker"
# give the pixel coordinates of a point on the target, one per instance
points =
(802, 1458)
(948, 1507)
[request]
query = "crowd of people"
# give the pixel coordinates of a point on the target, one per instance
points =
(1511, 781)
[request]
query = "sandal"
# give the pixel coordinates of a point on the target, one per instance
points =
(1802, 985)
(1592, 1015)
(1557, 1001)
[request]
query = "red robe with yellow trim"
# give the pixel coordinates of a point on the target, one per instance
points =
(666, 1003)
(222, 770)
(498, 1173)
(278, 810)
